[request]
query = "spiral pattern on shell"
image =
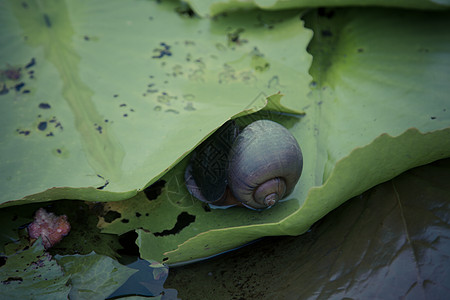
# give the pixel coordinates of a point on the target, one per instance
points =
(265, 164)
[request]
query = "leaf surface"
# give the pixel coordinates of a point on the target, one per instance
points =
(390, 242)
(32, 273)
(371, 115)
(216, 7)
(93, 276)
(116, 94)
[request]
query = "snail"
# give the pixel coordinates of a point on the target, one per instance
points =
(254, 168)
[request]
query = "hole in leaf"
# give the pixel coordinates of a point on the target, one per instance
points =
(183, 221)
(152, 192)
(42, 126)
(19, 86)
(128, 242)
(111, 216)
(44, 105)
(30, 64)
(103, 186)
(11, 279)
(3, 260)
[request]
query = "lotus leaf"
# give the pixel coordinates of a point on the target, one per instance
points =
(389, 242)
(102, 100)
(215, 7)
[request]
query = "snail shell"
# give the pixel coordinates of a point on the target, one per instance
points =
(262, 165)
(265, 164)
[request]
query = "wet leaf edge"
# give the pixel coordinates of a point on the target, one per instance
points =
(217, 7)
(331, 194)
(97, 194)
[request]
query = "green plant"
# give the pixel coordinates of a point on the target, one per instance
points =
(103, 102)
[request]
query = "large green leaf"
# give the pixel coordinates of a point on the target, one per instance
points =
(32, 273)
(378, 106)
(93, 276)
(391, 242)
(215, 7)
(390, 79)
(120, 94)
(99, 99)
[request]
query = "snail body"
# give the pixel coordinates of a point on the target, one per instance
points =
(260, 167)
